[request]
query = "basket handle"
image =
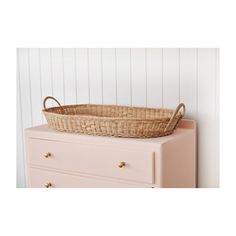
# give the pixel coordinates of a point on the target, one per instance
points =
(181, 105)
(49, 97)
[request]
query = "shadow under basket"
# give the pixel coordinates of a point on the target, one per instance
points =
(112, 120)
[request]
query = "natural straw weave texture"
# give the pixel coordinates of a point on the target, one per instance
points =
(111, 120)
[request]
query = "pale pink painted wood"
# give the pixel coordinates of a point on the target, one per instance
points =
(59, 180)
(178, 167)
(94, 159)
(187, 124)
(158, 162)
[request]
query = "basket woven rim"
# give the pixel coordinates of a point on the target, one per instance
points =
(161, 119)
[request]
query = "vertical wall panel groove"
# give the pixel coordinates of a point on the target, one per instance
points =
(51, 71)
(123, 76)
(196, 83)
(46, 73)
(116, 75)
(63, 75)
(101, 75)
(36, 96)
(187, 81)
(95, 79)
(82, 68)
(40, 78)
(30, 93)
(170, 78)
(69, 75)
(88, 75)
(162, 78)
(131, 84)
(146, 98)
(179, 75)
(20, 182)
(138, 77)
(154, 77)
(57, 74)
(109, 76)
(76, 76)
(25, 88)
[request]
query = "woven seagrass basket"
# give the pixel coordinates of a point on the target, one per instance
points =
(111, 120)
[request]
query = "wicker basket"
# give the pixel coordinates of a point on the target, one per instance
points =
(109, 120)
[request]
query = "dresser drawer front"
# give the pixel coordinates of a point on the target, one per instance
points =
(50, 179)
(93, 159)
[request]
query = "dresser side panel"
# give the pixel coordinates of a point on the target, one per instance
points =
(178, 162)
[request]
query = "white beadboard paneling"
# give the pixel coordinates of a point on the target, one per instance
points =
(123, 76)
(58, 74)
(109, 76)
(170, 78)
(207, 159)
(217, 121)
(46, 74)
(82, 75)
(70, 76)
(36, 89)
(95, 76)
(20, 181)
(138, 77)
(25, 87)
(188, 80)
(154, 77)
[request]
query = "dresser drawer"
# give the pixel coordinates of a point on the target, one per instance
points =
(98, 160)
(51, 179)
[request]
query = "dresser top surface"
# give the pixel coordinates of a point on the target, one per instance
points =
(43, 131)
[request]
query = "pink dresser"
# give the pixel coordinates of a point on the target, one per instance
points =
(65, 160)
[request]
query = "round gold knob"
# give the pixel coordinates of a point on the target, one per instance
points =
(121, 164)
(47, 154)
(48, 185)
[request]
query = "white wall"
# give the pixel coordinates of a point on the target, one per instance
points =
(138, 77)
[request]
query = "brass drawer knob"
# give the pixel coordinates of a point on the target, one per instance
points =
(121, 164)
(47, 154)
(48, 185)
